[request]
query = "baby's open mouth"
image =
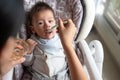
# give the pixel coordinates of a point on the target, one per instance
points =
(48, 32)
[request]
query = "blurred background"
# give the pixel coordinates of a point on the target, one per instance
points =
(106, 28)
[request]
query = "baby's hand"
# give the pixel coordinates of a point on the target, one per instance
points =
(32, 45)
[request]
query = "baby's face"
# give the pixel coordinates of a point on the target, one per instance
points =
(42, 22)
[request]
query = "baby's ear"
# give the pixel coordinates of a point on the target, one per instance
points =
(32, 29)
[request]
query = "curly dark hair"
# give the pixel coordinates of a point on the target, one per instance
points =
(39, 6)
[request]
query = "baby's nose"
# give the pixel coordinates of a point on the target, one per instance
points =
(47, 26)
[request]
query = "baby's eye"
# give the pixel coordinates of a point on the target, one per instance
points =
(50, 21)
(41, 23)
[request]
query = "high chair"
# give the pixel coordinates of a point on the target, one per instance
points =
(82, 13)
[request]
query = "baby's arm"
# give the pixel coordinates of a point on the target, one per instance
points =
(29, 56)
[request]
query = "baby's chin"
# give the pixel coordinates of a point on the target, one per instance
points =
(50, 37)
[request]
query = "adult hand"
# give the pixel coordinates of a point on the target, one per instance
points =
(67, 31)
(7, 62)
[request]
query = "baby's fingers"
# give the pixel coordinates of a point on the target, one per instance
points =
(31, 42)
(32, 45)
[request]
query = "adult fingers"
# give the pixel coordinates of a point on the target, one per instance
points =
(60, 22)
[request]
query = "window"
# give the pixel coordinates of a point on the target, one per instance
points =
(112, 14)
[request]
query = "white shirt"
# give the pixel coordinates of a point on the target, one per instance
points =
(9, 75)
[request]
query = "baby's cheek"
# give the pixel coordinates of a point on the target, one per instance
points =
(55, 31)
(40, 33)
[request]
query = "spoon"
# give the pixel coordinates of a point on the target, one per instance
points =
(55, 26)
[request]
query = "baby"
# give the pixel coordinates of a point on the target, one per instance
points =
(47, 59)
